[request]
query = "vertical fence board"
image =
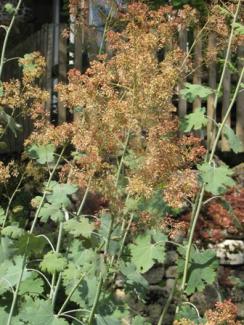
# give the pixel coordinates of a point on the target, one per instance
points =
(225, 104)
(212, 76)
(240, 100)
(49, 60)
(62, 72)
(197, 76)
(182, 105)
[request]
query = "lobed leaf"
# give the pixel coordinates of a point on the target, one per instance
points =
(216, 179)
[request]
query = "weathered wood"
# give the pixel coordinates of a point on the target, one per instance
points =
(212, 77)
(182, 105)
(49, 60)
(62, 72)
(225, 104)
(240, 99)
(197, 75)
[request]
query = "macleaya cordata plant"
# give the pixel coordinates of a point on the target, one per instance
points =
(100, 189)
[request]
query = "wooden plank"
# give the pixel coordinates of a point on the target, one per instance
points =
(212, 77)
(182, 105)
(225, 104)
(81, 42)
(197, 75)
(63, 56)
(49, 58)
(240, 99)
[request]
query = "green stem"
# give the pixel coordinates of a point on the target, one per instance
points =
(199, 200)
(70, 295)
(27, 244)
(54, 288)
(166, 306)
(105, 31)
(11, 200)
(5, 42)
(45, 193)
(101, 276)
(222, 77)
(84, 198)
(122, 158)
(189, 244)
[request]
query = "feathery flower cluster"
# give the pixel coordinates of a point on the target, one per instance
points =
(128, 94)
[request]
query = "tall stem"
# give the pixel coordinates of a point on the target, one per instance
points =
(199, 200)
(27, 243)
(5, 42)
(45, 193)
(11, 200)
(102, 276)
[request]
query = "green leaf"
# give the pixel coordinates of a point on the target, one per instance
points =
(13, 231)
(44, 154)
(202, 269)
(53, 262)
(216, 179)
(10, 271)
(51, 211)
(188, 312)
(115, 241)
(10, 122)
(106, 320)
(194, 121)
(81, 227)
(59, 193)
(35, 244)
(40, 312)
(234, 141)
(144, 253)
(1, 89)
(139, 320)
(2, 215)
(192, 91)
(71, 277)
(32, 286)
(238, 28)
(134, 281)
(9, 8)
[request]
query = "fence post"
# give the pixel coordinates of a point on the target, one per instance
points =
(225, 104)
(197, 75)
(212, 77)
(63, 55)
(182, 105)
(240, 99)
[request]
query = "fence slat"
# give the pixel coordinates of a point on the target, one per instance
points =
(62, 73)
(240, 100)
(197, 76)
(225, 104)
(182, 105)
(212, 76)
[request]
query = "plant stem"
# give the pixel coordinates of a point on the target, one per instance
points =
(222, 79)
(166, 306)
(101, 276)
(5, 42)
(27, 243)
(70, 295)
(105, 30)
(122, 158)
(84, 197)
(199, 200)
(53, 288)
(11, 200)
(45, 193)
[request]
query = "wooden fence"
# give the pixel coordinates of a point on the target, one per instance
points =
(43, 42)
